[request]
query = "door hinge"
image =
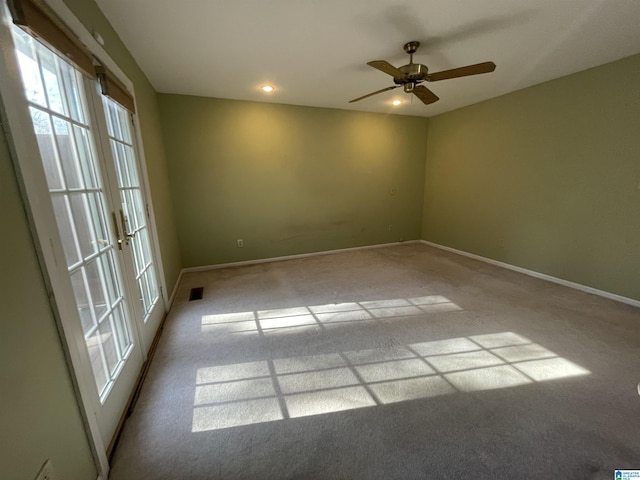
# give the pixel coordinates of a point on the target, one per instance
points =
(162, 292)
(148, 214)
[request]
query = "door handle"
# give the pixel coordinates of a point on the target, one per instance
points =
(117, 230)
(127, 236)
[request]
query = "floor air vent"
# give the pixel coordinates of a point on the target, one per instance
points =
(196, 293)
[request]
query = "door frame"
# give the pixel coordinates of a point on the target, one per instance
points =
(23, 149)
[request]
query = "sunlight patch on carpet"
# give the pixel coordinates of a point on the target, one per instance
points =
(228, 396)
(286, 320)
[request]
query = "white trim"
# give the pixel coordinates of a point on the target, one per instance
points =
(175, 290)
(68, 17)
(288, 257)
(542, 276)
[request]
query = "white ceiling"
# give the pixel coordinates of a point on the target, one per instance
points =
(315, 51)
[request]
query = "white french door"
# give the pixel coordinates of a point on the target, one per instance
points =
(106, 286)
(131, 214)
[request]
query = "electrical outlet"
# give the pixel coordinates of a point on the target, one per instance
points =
(46, 472)
(240, 243)
(390, 227)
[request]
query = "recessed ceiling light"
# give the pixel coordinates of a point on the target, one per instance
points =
(397, 102)
(267, 88)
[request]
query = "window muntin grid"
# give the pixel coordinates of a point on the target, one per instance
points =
(54, 91)
(131, 196)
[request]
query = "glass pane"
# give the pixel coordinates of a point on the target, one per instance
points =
(82, 300)
(97, 215)
(124, 339)
(29, 70)
(145, 254)
(48, 151)
(126, 158)
(129, 213)
(153, 285)
(152, 296)
(84, 230)
(94, 280)
(142, 286)
(133, 209)
(109, 278)
(94, 347)
(125, 123)
(87, 164)
(50, 76)
(116, 130)
(73, 92)
(118, 122)
(109, 345)
(109, 116)
(151, 290)
(132, 171)
(137, 255)
(62, 211)
(67, 153)
(121, 167)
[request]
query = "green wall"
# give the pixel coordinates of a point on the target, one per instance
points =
(546, 178)
(289, 180)
(40, 416)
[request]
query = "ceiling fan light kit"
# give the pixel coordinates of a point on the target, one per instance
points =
(411, 75)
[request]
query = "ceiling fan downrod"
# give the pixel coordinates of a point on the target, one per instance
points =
(411, 48)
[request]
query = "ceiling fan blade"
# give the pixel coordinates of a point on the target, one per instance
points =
(485, 67)
(424, 94)
(374, 93)
(386, 67)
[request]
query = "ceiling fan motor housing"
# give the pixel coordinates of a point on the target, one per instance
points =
(413, 72)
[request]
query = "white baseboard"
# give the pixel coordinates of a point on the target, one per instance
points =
(175, 289)
(290, 257)
(542, 276)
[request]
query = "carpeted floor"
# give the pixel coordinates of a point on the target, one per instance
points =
(400, 362)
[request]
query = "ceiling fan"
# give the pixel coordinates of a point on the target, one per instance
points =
(409, 76)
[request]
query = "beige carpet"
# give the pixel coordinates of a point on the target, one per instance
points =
(401, 362)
